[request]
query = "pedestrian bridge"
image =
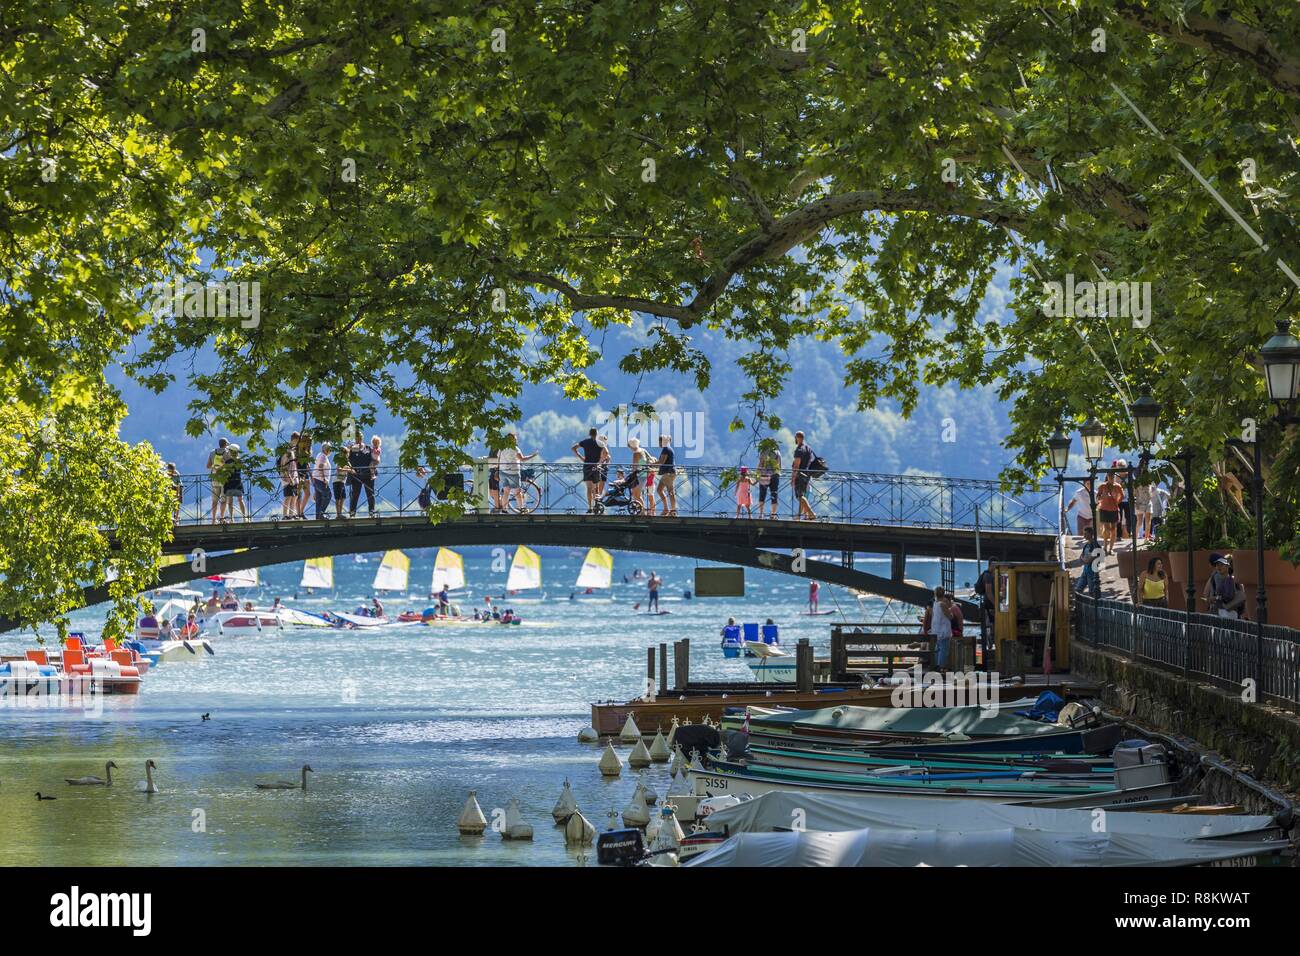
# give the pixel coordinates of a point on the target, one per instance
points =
(898, 516)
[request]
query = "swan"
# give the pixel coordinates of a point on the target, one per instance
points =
(39, 797)
(147, 785)
(286, 785)
(92, 781)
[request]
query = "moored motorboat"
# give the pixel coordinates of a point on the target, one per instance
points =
(241, 624)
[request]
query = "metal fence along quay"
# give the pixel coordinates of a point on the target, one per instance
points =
(1225, 652)
(848, 497)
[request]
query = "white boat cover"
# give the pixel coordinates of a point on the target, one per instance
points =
(1006, 846)
(782, 810)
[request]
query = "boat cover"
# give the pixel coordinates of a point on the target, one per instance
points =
(970, 721)
(1005, 846)
(783, 810)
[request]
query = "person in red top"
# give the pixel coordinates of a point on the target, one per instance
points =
(1110, 498)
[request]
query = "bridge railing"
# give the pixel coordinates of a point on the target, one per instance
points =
(701, 491)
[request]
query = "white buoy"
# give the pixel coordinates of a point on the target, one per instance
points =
(566, 806)
(695, 764)
(578, 830)
(679, 762)
(636, 814)
(639, 757)
(651, 796)
(515, 827)
(629, 734)
(670, 833)
(659, 751)
(471, 819)
(610, 765)
(588, 735)
(672, 733)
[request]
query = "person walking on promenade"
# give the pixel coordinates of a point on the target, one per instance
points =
(591, 452)
(1110, 497)
(1152, 585)
(801, 474)
(744, 493)
(1141, 513)
(1159, 507)
(1080, 500)
(667, 490)
(936, 622)
(287, 466)
(1090, 577)
(216, 481)
(304, 456)
(1223, 594)
(320, 480)
(769, 478)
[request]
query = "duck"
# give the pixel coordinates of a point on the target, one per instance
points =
(39, 797)
(147, 785)
(286, 785)
(92, 781)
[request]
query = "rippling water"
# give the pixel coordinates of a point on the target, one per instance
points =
(397, 723)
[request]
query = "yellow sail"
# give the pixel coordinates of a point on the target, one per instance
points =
(448, 571)
(525, 570)
(393, 572)
(597, 569)
(318, 573)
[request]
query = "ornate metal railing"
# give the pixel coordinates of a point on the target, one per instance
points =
(558, 488)
(1228, 653)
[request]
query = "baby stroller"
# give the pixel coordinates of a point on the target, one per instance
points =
(619, 495)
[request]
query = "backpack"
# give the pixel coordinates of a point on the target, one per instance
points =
(1225, 590)
(817, 466)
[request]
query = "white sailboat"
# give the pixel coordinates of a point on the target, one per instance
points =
(318, 573)
(448, 571)
(393, 572)
(525, 575)
(596, 577)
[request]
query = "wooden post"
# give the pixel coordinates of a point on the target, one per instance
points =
(649, 668)
(663, 669)
(804, 665)
(686, 663)
(839, 654)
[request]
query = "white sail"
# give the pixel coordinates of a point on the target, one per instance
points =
(318, 573)
(597, 569)
(525, 570)
(241, 579)
(392, 573)
(448, 571)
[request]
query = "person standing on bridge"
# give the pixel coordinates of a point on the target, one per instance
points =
(640, 459)
(801, 474)
(320, 480)
(304, 456)
(667, 490)
(342, 475)
(591, 453)
(509, 460)
(361, 460)
(234, 483)
(287, 466)
(769, 478)
(216, 481)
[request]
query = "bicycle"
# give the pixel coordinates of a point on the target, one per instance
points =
(529, 490)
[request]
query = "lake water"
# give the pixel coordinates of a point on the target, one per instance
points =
(399, 724)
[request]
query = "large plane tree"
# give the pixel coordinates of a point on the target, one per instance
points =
(441, 201)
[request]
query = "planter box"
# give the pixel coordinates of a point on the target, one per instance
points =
(1280, 577)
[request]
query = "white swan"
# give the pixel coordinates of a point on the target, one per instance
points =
(147, 785)
(91, 781)
(284, 784)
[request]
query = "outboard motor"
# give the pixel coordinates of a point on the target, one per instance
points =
(737, 744)
(620, 847)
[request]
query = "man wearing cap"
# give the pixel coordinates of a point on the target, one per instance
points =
(320, 480)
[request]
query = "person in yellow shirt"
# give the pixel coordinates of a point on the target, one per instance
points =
(1152, 585)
